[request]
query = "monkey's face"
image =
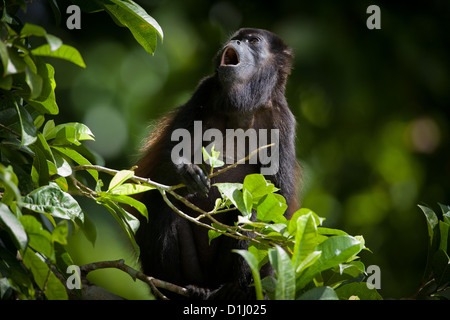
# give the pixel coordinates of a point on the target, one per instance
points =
(246, 53)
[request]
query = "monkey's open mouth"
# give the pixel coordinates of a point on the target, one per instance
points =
(229, 57)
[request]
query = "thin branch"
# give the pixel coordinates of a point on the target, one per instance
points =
(251, 154)
(87, 192)
(136, 274)
(232, 232)
(10, 131)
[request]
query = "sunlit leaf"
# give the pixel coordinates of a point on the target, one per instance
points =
(334, 250)
(143, 27)
(78, 158)
(120, 178)
(127, 189)
(64, 52)
(34, 30)
(305, 239)
(281, 262)
(46, 102)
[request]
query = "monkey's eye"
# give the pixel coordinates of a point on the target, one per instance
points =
(253, 40)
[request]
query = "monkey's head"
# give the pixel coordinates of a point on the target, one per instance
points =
(252, 64)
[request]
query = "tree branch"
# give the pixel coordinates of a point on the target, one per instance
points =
(136, 274)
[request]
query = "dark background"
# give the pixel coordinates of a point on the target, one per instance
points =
(372, 106)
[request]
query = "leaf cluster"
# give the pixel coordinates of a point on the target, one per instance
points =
(310, 261)
(437, 272)
(38, 173)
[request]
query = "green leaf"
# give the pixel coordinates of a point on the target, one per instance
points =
(260, 252)
(308, 261)
(272, 208)
(281, 262)
(119, 178)
(445, 212)
(292, 227)
(46, 102)
(56, 12)
(331, 232)
(443, 232)
(39, 239)
(359, 289)
(44, 278)
(231, 191)
(432, 221)
(127, 189)
(16, 63)
(213, 159)
(9, 182)
(305, 239)
(6, 82)
(68, 133)
(258, 186)
(34, 30)
(64, 52)
(335, 250)
(253, 264)
(61, 232)
(34, 82)
(4, 56)
(212, 234)
(48, 129)
(441, 268)
(123, 218)
(319, 293)
(78, 158)
(139, 206)
(40, 169)
(143, 27)
(343, 272)
(27, 127)
(13, 226)
(63, 167)
(66, 136)
(52, 200)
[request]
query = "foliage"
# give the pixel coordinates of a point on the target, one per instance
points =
(305, 255)
(437, 273)
(37, 176)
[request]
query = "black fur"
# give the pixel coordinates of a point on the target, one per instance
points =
(248, 95)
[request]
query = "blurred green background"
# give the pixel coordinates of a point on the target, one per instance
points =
(372, 107)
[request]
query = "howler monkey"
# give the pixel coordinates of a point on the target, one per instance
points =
(245, 92)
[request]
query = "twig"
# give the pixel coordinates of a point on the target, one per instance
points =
(88, 193)
(251, 154)
(10, 130)
(232, 232)
(136, 274)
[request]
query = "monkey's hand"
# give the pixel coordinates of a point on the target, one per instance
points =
(194, 178)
